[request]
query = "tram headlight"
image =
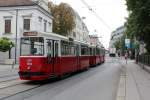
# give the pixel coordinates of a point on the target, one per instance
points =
(29, 67)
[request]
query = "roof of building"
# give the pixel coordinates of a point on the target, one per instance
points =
(8, 3)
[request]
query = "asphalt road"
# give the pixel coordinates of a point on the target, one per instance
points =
(98, 83)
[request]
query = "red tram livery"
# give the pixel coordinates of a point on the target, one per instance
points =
(45, 56)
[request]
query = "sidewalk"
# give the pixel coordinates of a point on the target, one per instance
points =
(134, 83)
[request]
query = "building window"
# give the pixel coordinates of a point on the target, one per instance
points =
(50, 24)
(74, 34)
(45, 26)
(7, 26)
(40, 19)
(26, 24)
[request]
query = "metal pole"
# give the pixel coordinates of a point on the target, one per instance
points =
(16, 36)
(126, 61)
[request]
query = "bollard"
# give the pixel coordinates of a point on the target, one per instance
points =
(126, 61)
(13, 65)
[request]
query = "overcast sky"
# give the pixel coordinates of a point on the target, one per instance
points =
(112, 12)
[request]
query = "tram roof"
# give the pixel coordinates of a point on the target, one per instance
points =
(81, 42)
(47, 35)
(54, 35)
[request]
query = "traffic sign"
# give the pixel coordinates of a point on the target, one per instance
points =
(127, 43)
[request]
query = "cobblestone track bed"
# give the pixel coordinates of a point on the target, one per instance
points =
(10, 83)
(57, 85)
(16, 89)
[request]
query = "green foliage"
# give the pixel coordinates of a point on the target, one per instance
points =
(118, 44)
(136, 45)
(63, 21)
(5, 44)
(138, 23)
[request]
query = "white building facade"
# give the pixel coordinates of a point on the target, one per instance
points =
(94, 41)
(20, 16)
(80, 32)
(116, 35)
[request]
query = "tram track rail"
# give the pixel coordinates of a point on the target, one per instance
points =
(10, 78)
(33, 86)
(10, 88)
(9, 83)
(15, 86)
(18, 91)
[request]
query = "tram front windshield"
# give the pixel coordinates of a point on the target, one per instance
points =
(32, 46)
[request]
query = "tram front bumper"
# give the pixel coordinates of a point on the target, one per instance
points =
(36, 76)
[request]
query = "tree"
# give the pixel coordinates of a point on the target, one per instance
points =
(118, 44)
(138, 23)
(63, 21)
(6, 45)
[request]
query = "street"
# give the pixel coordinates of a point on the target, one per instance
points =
(98, 82)
(74, 50)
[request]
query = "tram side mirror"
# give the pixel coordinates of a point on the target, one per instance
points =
(34, 50)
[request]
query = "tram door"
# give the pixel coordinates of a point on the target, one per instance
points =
(52, 54)
(78, 56)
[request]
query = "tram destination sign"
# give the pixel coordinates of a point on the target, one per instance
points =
(30, 33)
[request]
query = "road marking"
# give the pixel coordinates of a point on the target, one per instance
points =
(121, 94)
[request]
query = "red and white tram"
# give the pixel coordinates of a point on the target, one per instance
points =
(44, 56)
(97, 56)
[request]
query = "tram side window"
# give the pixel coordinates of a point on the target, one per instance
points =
(94, 51)
(67, 49)
(49, 48)
(32, 46)
(91, 51)
(103, 52)
(56, 49)
(63, 49)
(72, 50)
(77, 50)
(84, 51)
(100, 51)
(97, 51)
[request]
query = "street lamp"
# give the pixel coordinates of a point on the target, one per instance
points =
(16, 35)
(83, 17)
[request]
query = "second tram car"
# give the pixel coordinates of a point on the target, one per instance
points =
(49, 55)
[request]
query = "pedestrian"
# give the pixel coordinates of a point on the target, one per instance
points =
(119, 54)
